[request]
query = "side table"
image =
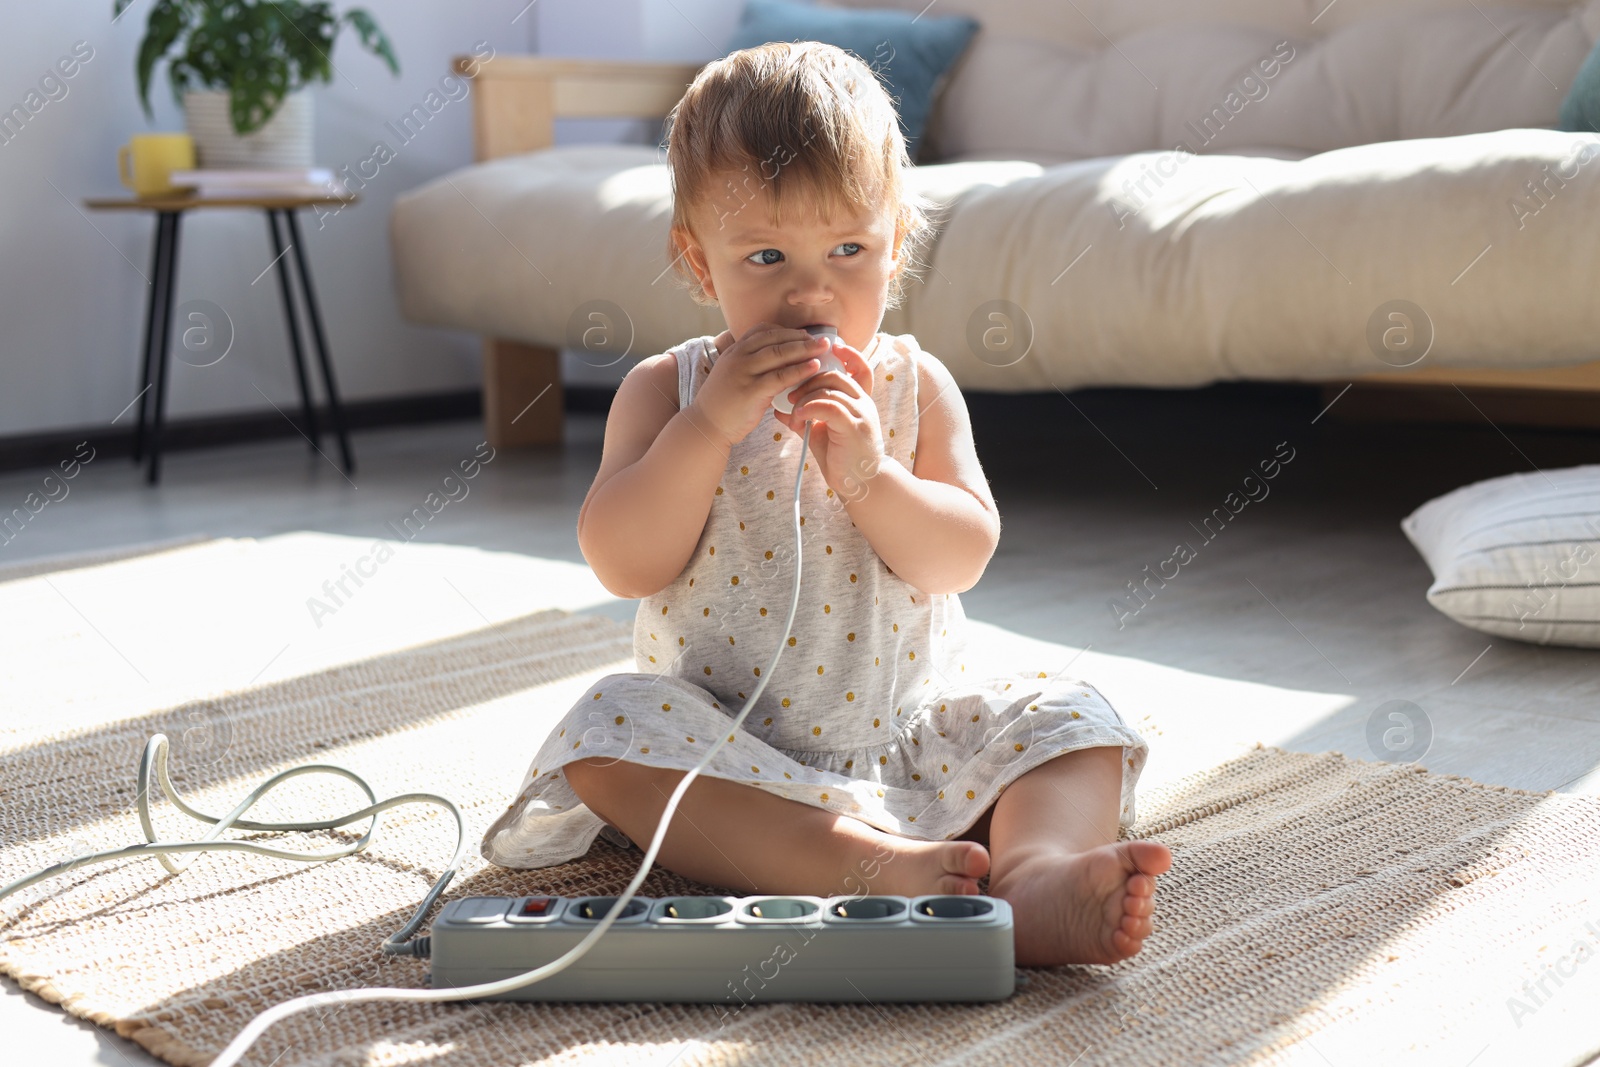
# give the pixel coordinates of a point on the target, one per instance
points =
(158, 317)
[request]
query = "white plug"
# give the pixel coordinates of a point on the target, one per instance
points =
(781, 402)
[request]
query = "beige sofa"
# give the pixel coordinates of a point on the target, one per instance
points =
(1145, 193)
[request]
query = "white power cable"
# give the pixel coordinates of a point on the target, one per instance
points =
(155, 758)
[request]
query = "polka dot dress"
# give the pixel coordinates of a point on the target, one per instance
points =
(871, 709)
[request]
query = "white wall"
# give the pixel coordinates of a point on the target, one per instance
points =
(72, 286)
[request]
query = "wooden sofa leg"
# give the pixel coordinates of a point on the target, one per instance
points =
(522, 395)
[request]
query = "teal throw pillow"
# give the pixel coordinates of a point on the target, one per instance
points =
(1580, 111)
(908, 53)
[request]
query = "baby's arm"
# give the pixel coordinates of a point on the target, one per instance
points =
(935, 526)
(647, 508)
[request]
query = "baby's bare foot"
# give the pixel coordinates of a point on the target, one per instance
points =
(915, 868)
(1085, 907)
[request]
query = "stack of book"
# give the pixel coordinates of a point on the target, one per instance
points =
(222, 182)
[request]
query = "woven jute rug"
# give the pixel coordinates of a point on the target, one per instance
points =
(1319, 909)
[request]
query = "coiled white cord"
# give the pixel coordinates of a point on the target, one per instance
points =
(155, 758)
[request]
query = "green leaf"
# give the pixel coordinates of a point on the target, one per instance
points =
(182, 77)
(167, 20)
(309, 40)
(372, 38)
(256, 93)
(208, 54)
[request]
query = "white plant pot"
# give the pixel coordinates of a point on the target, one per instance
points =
(285, 140)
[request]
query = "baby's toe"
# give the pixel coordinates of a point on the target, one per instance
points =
(1124, 944)
(969, 859)
(1151, 857)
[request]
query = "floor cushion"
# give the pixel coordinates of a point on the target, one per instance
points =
(1517, 556)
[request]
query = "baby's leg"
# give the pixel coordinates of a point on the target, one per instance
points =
(726, 833)
(1077, 894)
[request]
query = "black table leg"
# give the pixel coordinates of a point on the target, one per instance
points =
(159, 338)
(335, 411)
(158, 259)
(292, 324)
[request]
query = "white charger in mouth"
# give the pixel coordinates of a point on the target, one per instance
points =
(781, 402)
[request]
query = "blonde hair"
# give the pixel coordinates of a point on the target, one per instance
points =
(807, 118)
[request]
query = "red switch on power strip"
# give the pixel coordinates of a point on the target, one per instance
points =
(536, 910)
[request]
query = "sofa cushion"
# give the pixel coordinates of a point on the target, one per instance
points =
(1091, 79)
(1517, 556)
(1151, 269)
(514, 247)
(1163, 269)
(910, 55)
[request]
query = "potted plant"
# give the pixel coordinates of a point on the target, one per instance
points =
(239, 68)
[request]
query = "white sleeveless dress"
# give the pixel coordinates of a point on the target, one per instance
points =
(871, 710)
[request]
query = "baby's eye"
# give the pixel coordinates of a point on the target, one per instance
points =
(850, 244)
(763, 252)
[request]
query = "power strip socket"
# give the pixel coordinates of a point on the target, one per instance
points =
(711, 949)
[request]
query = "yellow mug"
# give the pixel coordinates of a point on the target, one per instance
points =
(145, 162)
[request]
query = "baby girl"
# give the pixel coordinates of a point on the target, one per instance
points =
(872, 760)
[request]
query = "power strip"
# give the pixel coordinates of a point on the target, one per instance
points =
(712, 949)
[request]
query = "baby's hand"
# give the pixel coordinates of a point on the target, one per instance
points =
(749, 372)
(846, 437)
